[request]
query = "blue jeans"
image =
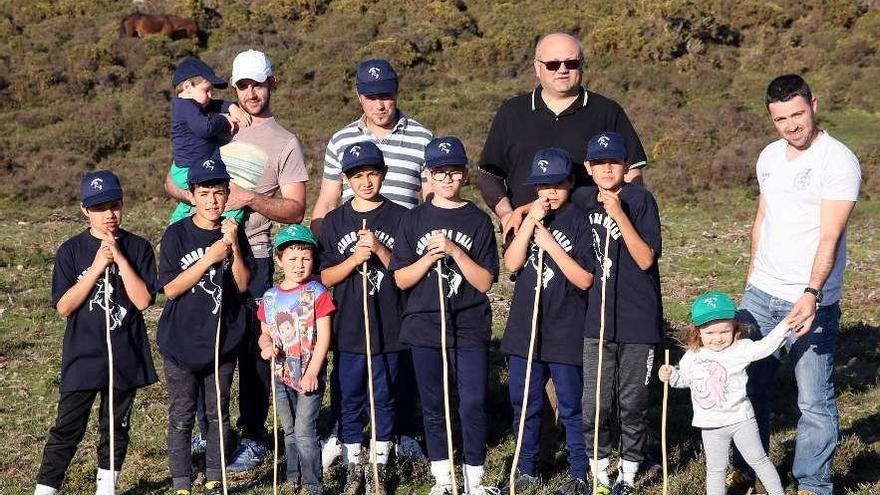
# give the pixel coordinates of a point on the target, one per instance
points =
(812, 357)
(299, 418)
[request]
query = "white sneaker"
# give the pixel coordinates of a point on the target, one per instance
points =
(441, 489)
(483, 490)
(409, 448)
(330, 450)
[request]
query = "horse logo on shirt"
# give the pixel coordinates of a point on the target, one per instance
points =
(709, 386)
(605, 263)
(211, 288)
(547, 274)
(374, 279)
(453, 278)
(117, 312)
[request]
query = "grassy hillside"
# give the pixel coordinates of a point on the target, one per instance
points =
(690, 73)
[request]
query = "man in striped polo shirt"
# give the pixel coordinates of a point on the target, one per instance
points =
(402, 141)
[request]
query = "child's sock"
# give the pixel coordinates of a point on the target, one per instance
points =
(381, 453)
(351, 453)
(45, 490)
(600, 471)
(628, 471)
(105, 481)
(473, 477)
(440, 470)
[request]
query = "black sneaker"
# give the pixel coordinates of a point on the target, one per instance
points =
(572, 486)
(521, 483)
(354, 480)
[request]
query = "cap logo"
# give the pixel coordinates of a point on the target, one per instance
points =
(542, 164)
(445, 147)
(97, 184)
(712, 301)
(374, 71)
(603, 141)
(355, 150)
(209, 164)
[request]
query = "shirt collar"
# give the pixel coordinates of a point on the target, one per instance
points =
(580, 102)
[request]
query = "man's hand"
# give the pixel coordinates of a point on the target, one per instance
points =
(514, 221)
(611, 202)
(229, 228)
(239, 197)
(800, 318)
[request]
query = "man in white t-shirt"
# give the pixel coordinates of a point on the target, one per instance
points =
(809, 185)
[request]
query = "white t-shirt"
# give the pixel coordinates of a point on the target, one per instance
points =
(718, 379)
(793, 192)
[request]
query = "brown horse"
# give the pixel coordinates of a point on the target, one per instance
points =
(138, 25)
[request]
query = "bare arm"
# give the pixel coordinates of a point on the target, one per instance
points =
(288, 208)
(518, 249)
(475, 274)
(135, 288)
(573, 271)
(337, 273)
(634, 176)
(409, 275)
(79, 292)
(240, 271)
(175, 192)
(640, 251)
(328, 198)
(191, 276)
(756, 235)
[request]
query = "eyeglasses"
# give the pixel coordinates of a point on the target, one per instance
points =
(554, 65)
(442, 175)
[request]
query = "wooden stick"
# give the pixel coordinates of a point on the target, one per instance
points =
(525, 400)
(217, 384)
(110, 395)
(274, 423)
(445, 376)
(605, 272)
(663, 427)
(374, 460)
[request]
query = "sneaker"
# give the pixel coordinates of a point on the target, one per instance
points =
(354, 480)
(198, 445)
(572, 486)
(368, 475)
(214, 488)
(521, 483)
(330, 450)
(623, 488)
(248, 455)
(483, 490)
(409, 448)
(439, 489)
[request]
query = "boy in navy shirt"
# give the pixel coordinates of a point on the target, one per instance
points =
(459, 235)
(204, 272)
(78, 292)
(345, 246)
(199, 125)
(633, 309)
(295, 316)
(566, 241)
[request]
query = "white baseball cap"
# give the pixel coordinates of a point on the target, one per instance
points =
(251, 64)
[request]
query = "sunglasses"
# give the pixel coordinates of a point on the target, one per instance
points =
(554, 65)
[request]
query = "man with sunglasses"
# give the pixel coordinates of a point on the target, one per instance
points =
(559, 113)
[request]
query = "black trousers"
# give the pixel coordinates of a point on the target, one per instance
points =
(626, 373)
(70, 427)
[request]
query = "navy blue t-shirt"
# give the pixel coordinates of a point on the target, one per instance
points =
(188, 324)
(84, 352)
(469, 316)
(197, 132)
(634, 310)
(385, 302)
(562, 307)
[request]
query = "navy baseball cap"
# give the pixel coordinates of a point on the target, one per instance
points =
(210, 169)
(192, 67)
(360, 154)
(100, 186)
(446, 150)
(376, 77)
(606, 146)
(550, 166)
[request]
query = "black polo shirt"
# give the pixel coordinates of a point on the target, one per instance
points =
(524, 125)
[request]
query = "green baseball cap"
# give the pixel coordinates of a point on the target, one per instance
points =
(294, 233)
(712, 306)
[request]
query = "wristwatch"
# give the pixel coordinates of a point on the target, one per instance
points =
(815, 292)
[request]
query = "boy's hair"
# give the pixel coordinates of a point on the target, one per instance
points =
(786, 87)
(379, 167)
(195, 81)
(296, 245)
(210, 183)
(692, 334)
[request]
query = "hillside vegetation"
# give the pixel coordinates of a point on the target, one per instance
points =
(690, 73)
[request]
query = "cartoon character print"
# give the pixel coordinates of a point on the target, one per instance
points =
(96, 303)
(453, 278)
(709, 384)
(295, 334)
(548, 272)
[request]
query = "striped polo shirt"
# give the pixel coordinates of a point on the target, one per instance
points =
(404, 152)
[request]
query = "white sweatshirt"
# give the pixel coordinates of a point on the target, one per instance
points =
(717, 379)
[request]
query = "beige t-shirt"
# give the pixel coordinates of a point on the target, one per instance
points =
(262, 158)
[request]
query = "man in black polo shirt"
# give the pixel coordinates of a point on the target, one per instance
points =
(558, 113)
